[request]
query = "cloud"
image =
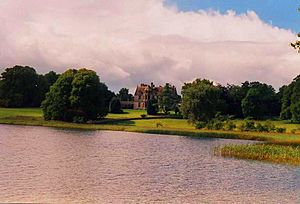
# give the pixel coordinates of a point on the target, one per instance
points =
(132, 41)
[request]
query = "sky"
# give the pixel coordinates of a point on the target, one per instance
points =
(281, 13)
(128, 42)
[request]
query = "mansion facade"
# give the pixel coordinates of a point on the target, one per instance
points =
(144, 93)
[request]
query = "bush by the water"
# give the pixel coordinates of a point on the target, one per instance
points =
(216, 124)
(251, 126)
(247, 126)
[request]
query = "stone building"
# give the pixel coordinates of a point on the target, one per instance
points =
(144, 93)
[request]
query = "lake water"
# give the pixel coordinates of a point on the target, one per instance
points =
(66, 166)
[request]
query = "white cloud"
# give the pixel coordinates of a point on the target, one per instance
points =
(133, 41)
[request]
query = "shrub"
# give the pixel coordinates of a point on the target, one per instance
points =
(215, 125)
(250, 126)
(152, 107)
(158, 124)
(269, 126)
(79, 119)
(115, 105)
(241, 127)
(200, 125)
(261, 128)
(280, 130)
(230, 126)
(210, 125)
(218, 125)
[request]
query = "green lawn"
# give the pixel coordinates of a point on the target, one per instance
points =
(127, 114)
(288, 142)
(12, 112)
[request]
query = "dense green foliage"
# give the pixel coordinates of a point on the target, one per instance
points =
(235, 95)
(124, 95)
(201, 100)
(19, 87)
(290, 108)
(152, 107)
(115, 105)
(76, 96)
(23, 87)
(168, 99)
(260, 101)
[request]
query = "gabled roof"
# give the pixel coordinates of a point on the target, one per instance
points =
(141, 89)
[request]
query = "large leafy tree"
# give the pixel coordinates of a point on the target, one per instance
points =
(168, 99)
(295, 94)
(44, 84)
(19, 87)
(295, 100)
(235, 95)
(201, 100)
(124, 95)
(287, 91)
(77, 95)
(260, 101)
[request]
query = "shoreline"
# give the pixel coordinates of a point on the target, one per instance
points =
(278, 145)
(221, 134)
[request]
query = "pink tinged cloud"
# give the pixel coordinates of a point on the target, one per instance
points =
(133, 41)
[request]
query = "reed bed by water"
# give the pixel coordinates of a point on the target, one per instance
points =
(286, 154)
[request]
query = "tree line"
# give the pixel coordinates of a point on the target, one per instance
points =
(79, 95)
(21, 86)
(202, 100)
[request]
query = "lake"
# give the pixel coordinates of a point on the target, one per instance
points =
(39, 164)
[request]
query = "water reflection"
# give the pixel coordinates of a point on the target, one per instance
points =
(63, 166)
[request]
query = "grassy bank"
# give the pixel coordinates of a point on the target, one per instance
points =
(287, 154)
(281, 147)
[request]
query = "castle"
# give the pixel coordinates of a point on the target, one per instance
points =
(144, 93)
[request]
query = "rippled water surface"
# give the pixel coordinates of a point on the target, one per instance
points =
(66, 166)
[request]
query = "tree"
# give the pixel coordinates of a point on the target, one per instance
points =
(115, 105)
(77, 95)
(201, 100)
(285, 113)
(290, 107)
(51, 77)
(260, 101)
(235, 95)
(44, 84)
(152, 107)
(124, 95)
(296, 45)
(295, 100)
(19, 87)
(168, 99)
